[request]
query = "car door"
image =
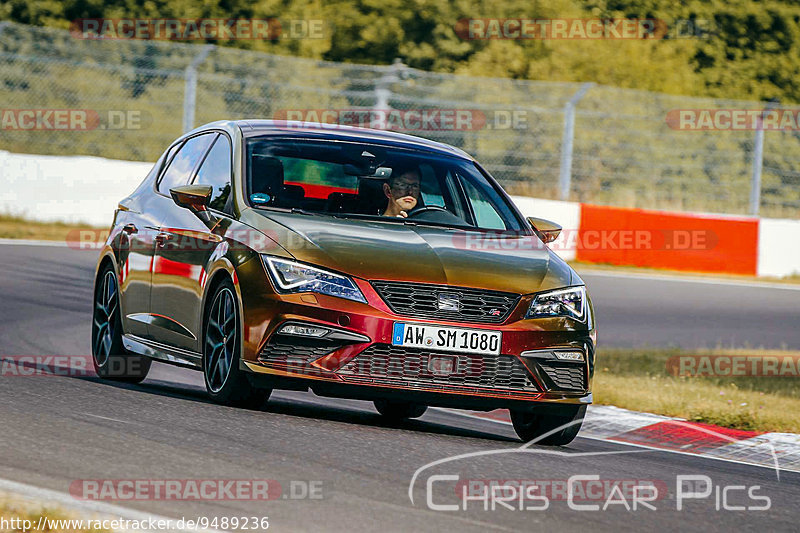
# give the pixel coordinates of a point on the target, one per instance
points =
(139, 217)
(187, 241)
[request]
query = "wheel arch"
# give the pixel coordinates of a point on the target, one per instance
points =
(223, 270)
(106, 259)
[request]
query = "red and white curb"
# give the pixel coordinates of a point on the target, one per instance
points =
(780, 451)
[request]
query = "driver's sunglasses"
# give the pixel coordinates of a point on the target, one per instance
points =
(406, 187)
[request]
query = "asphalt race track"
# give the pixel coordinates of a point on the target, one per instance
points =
(56, 430)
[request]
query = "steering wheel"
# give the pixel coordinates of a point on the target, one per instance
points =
(426, 209)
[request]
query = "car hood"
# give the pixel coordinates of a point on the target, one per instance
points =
(374, 250)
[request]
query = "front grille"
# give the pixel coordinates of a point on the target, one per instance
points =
(295, 350)
(422, 300)
(565, 376)
(408, 367)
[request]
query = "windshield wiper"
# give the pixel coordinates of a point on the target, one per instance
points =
(300, 211)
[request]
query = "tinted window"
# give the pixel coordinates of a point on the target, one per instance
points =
(430, 190)
(486, 216)
(184, 162)
(169, 154)
(216, 171)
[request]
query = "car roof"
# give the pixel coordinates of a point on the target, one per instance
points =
(315, 130)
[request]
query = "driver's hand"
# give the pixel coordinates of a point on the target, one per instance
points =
(403, 214)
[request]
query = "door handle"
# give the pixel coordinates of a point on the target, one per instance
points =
(162, 238)
(130, 229)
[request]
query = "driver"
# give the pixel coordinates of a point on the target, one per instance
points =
(402, 191)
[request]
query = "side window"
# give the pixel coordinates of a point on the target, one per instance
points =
(184, 162)
(486, 216)
(430, 190)
(170, 153)
(216, 171)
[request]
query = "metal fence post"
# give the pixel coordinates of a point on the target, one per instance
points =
(190, 88)
(382, 91)
(758, 160)
(565, 174)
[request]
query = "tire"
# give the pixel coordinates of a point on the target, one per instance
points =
(397, 411)
(531, 425)
(111, 360)
(225, 382)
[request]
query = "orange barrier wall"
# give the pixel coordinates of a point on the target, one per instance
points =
(677, 241)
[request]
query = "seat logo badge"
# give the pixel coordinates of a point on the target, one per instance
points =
(449, 302)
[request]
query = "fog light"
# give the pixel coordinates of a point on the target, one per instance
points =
(569, 356)
(303, 331)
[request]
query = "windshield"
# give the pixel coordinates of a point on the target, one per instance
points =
(359, 180)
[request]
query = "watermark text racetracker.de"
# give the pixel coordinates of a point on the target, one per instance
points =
(732, 366)
(195, 490)
(409, 120)
(521, 29)
(733, 119)
(44, 120)
(204, 29)
(62, 366)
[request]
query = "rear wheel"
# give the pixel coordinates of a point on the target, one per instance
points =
(111, 360)
(225, 382)
(530, 425)
(399, 410)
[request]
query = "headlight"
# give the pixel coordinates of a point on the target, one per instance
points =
(291, 277)
(569, 302)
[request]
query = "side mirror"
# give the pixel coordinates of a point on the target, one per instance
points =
(546, 230)
(194, 197)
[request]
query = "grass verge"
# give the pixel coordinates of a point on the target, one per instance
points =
(639, 380)
(18, 227)
(30, 513)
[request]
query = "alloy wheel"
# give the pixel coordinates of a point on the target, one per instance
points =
(221, 340)
(105, 309)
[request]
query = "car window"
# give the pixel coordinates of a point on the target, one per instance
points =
(216, 171)
(486, 215)
(430, 189)
(170, 153)
(180, 169)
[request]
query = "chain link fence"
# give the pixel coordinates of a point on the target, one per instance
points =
(573, 141)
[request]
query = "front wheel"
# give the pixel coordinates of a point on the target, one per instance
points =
(226, 383)
(560, 429)
(111, 360)
(399, 410)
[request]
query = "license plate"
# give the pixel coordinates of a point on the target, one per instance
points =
(460, 340)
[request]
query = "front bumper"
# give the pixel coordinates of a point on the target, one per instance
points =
(361, 362)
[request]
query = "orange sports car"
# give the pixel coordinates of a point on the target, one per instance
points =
(351, 262)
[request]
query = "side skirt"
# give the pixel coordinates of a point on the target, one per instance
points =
(163, 352)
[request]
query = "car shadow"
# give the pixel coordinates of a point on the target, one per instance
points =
(298, 404)
(308, 406)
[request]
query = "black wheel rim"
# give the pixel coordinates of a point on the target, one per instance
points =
(105, 316)
(220, 341)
